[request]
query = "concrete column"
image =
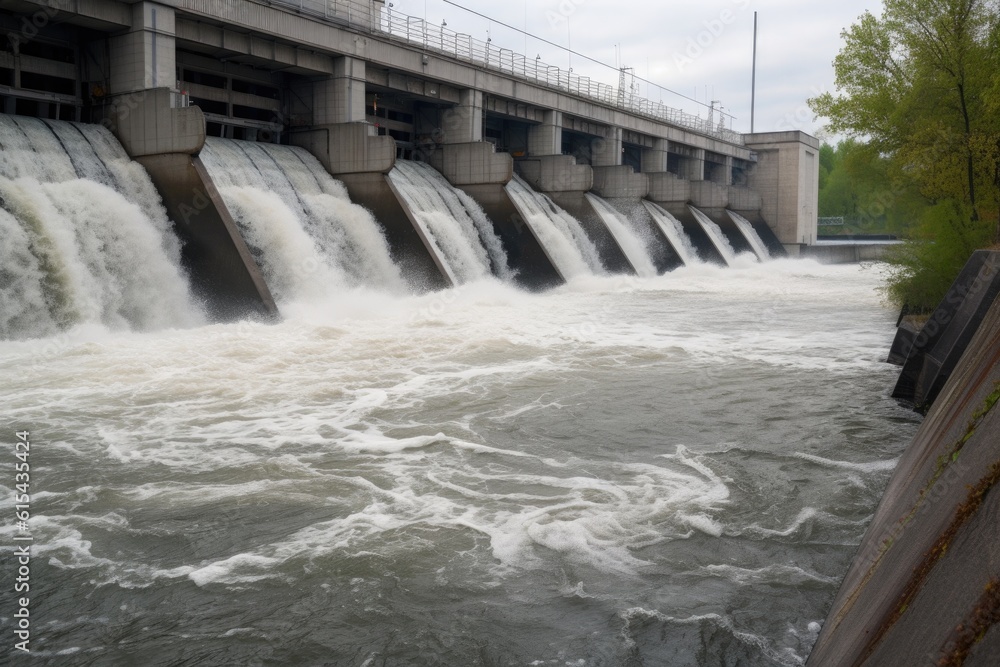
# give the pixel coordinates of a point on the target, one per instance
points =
(158, 130)
(611, 177)
(546, 169)
(341, 98)
(464, 122)
(654, 160)
(718, 169)
(546, 139)
(607, 152)
(340, 138)
(692, 166)
(463, 157)
(145, 56)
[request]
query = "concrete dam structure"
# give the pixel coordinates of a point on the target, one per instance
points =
(294, 146)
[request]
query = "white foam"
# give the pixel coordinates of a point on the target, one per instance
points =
(782, 575)
(869, 466)
(238, 569)
(802, 521)
(88, 233)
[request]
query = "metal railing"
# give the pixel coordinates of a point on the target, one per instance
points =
(371, 16)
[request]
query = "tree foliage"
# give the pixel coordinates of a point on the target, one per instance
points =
(855, 184)
(919, 89)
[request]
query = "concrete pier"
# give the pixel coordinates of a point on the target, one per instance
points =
(338, 133)
(699, 239)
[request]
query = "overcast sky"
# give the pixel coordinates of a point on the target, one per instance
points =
(698, 48)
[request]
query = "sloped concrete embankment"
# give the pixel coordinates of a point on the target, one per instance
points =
(924, 588)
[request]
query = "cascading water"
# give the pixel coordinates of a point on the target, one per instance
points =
(560, 234)
(628, 240)
(85, 236)
(759, 248)
(641, 472)
(716, 235)
(452, 222)
(673, 230)
(307, 236)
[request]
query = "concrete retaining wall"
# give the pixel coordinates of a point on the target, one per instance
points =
(943, 339)
(846, 253)
(924, 588)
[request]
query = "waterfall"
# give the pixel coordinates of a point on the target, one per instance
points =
(751, 235)
(307, 237)
(628, 240)
(716, 236)
(85, 236)
(559, 233)
(674, 231)
(455, 226)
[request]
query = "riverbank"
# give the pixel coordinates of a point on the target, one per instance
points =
(924, 588)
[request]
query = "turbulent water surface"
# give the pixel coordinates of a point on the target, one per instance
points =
(663, 471)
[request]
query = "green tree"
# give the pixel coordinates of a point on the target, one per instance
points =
(919, 87)
(858, 187)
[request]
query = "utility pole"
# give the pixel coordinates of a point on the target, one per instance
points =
(753, 75)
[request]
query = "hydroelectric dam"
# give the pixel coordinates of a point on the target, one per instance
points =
(340, 338)
(338, 142)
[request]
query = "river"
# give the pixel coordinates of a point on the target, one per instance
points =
(660, 471)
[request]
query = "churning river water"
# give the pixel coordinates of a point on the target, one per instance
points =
(662, 471)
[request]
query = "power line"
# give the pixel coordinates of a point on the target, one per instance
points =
(571, 51)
